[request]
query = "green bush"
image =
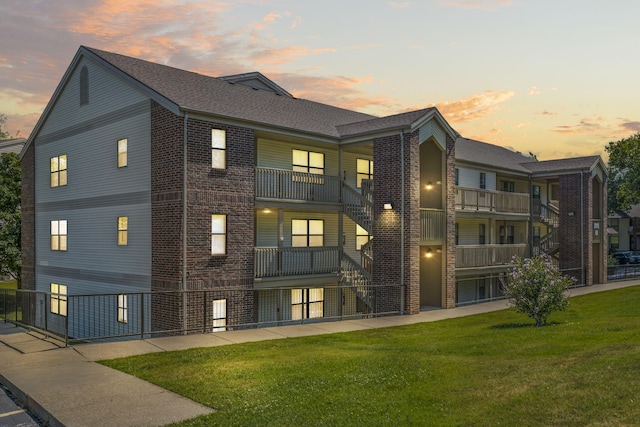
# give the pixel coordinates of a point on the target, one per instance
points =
(536, 288)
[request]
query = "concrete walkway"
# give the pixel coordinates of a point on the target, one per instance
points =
(65, 387)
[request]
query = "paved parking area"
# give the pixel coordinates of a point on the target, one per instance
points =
(12, 414)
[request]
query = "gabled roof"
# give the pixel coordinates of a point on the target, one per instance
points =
(563, 165)
(12, 145)
(256, 80)
(215, 96)
(481, 153)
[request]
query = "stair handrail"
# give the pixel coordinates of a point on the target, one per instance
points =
(357, 207)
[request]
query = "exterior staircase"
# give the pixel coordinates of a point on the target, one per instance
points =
(550, 216)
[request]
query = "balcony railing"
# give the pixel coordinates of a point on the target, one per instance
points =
(432, 225)
(474, 199)
(291, 185)
(280, 262)
(487, 255)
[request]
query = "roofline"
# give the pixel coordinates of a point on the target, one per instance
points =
(85, 52)
(597, 162)
(493, 168)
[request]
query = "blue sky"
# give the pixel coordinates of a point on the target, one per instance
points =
(557, 78)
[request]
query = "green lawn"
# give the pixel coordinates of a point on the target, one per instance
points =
(485, 370)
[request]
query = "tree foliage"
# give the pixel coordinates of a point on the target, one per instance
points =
(536, 288)
(10, 257)
(3, 134)
(624, 173)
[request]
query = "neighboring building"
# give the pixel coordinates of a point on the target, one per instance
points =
(12, 145)
(142, 177)
(624, 230)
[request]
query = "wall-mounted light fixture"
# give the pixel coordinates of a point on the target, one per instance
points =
(388, 206)
(429, 185)
(429, 253)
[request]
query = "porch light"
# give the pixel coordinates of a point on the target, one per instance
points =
(429, 254)
(388, 206)
(429, 185)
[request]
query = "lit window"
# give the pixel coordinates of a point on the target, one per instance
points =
(123, 230)
(122, 152)
(307, 303)
(364, 170)
(59, 235)
(307, 232)
(59, 171)
(59, 299)
(308, 161)
(122, 308)
(218, 234)
(219, 315)
(362, 237)
(218, 149)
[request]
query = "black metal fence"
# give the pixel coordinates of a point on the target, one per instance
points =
(138, 315)
(623, 272)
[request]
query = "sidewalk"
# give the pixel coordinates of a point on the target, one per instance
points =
(65, 387)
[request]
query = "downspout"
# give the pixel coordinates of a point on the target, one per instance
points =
(184, 223)
(402, 189)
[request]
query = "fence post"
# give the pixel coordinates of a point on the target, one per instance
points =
(141, 315)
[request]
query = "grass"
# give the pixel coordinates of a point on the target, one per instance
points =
(492, 369)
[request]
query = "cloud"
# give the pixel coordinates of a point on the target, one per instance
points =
(477, 4)
(474, 107)
(276, 56)
(630, 126)
(547, 113)
(400, 5)
(586, 126)
(533, 91)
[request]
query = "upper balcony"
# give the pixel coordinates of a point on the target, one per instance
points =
(476, 256)
(479, 200)
(289, 185)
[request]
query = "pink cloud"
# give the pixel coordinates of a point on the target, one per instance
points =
(474, 107)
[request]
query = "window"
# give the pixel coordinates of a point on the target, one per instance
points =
(508, 186)
(59, 171)
(84, 86)
(123, 230)
(218, 149)
(483, 180)
(536, 192)
(122, 308)
(59, 299)
(308, 161)
(506, 235)
(59, 235)
(218, 234)
(482, 237)
(457, 175)
(219, 317)
(122, 152)
(307, 303)
(362, 237)
(307, 232)
(364, 170)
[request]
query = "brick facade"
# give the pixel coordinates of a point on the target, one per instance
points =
(450, 226)
(576, 204)
(209, 191)
(387, 227)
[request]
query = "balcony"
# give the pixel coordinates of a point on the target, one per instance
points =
(284, 262)
(487, 255)
(289, 185)
(432, 226)
(474, 199)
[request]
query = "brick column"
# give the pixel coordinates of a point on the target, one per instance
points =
(450, 225)
(576, 198)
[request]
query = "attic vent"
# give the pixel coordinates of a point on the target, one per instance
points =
(84, 86)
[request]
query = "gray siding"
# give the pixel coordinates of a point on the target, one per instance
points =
(470, 178)
(278, 155)
(97, 191)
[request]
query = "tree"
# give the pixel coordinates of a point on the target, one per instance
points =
(624, 173)
(10, 256)
(3, 134)
(536, 288)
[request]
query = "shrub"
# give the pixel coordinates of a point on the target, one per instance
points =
(536, 288)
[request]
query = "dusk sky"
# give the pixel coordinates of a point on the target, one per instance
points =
(558, 78)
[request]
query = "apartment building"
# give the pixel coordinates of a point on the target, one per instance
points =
(143, 177)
